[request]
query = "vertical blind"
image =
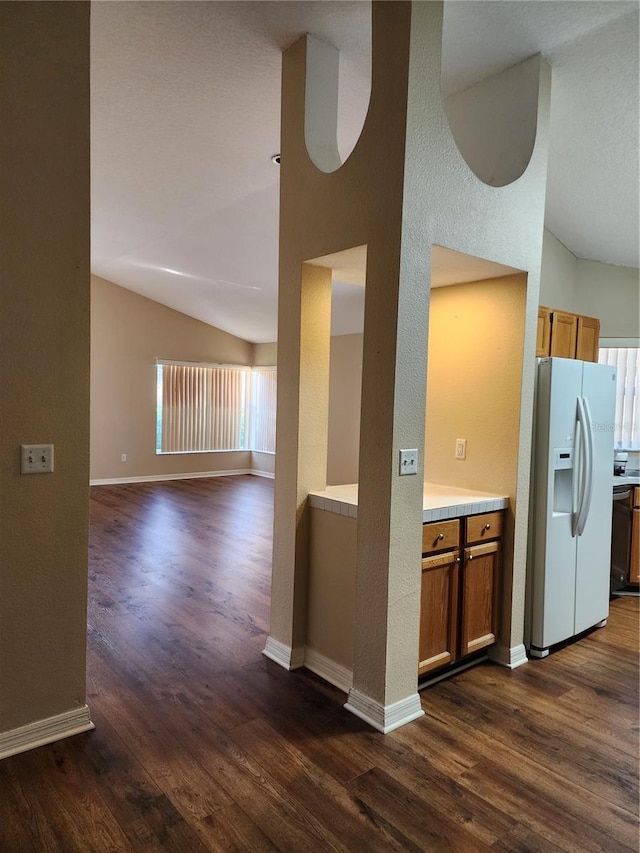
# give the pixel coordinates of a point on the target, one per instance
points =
(262, 416)
(204, 408)
(626, 360)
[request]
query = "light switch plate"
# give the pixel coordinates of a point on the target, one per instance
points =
(36, 458)
(408, 462)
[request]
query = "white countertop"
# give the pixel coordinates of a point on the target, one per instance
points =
(626, 480)
(438, 502)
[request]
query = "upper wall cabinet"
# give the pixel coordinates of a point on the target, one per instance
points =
(588, 338)
(567, 335)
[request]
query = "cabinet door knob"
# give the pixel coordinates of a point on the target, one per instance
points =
(487, 527)
(457, 560)
(440, 536)
(470, 557)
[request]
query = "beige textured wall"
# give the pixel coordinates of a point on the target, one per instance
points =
(332, 577)
(321, 214)
(557, 277)
(345, 384)
(474, 385)
(447, 207)
(494, 125)
(263, 463)
(474, 375)
(425, 195)
(610, 293)
(44, 357)
(128, 333)
(265, 355)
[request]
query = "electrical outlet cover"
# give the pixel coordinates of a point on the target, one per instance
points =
(461, 448)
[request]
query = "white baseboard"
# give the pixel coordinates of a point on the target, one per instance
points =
(284, 655)
(256, 473)
(152, 478)
(333, 672)
(384, 718)
(45, 731)
(511, 658)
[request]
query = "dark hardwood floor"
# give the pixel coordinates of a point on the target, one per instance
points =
(202, 744)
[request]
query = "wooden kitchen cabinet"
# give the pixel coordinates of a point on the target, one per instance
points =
(543, 335)
(439, 611)
(634, 565)
(564, 334)
(459, 596)
(440, 536)
(588, 339)
(480, 573)
(482, 528)
(480, 576)
(567, 335)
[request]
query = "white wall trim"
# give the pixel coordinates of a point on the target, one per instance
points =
(152, 478)
(333, 672)
(384, 718)
(45, 731)
(256, 473)
(511, 658)
(284, 655)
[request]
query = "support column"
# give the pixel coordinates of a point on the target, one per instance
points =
(301, 453)
(384, 689)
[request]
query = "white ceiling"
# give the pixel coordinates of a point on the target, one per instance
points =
(186, 112)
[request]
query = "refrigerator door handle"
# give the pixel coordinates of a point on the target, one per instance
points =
(588, 480)
(577, 491)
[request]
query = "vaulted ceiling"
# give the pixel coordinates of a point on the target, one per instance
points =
(186, 116)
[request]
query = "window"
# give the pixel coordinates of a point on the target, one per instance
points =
(203, 408)
(262, 413)
(626, 360)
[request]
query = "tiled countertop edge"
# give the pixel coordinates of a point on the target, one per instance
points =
(330, 505)
(440, 513)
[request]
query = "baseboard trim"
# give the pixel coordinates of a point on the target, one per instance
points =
(152, 478)
(333, 672)
(256, 473)
(45, 731)
(512, 658)
(384, 718)
(284, 655)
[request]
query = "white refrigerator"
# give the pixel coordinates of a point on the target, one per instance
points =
(570, 526)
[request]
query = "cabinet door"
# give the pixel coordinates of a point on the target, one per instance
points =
(439, 611)
(634, 566)
(480, 577)
(564, 332)
(588, 338)
(543, 335)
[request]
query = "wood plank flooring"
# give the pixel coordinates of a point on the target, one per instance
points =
(202, 744)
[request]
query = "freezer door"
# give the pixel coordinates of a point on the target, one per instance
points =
(593, 553)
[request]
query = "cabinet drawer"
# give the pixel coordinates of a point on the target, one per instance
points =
(438, 535)
(481, 528)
